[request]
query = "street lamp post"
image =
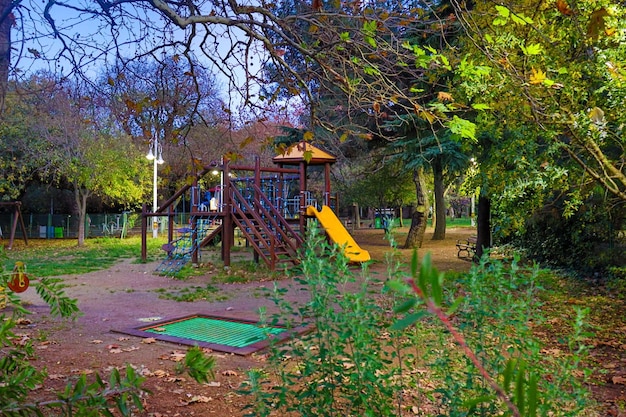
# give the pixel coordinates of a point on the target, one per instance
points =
(155, 154)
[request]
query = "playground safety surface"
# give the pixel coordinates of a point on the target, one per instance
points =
(222, 334)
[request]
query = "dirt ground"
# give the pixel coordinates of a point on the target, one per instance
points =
(126, 296)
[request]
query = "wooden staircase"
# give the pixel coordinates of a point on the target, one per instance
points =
(269, 234)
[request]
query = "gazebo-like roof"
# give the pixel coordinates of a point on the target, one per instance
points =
(304, 152)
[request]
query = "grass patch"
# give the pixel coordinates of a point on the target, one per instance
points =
(208, 293)
(54, 257)
(243, 272)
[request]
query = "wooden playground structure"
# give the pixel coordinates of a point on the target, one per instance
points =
(268, 207)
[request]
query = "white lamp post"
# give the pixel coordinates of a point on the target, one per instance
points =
(155, 154)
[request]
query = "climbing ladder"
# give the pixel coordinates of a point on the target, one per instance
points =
(180, 250)
(178, 253)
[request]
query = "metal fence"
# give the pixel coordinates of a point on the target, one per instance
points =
(58, 226)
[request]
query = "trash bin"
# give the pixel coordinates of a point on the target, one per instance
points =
(377, 222)
(58, 232)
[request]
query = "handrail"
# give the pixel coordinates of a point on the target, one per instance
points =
(287, 236)
(240, 201)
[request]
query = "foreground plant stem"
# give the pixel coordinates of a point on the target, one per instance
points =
(433, 308)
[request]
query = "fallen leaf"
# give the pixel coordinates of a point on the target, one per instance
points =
(56, 376)
(130, 349)
(122, 339)
(149, 319)
(619, 380)
(113, 346)
(159, 373)
(537, 76)
(213, 384)
(82, 371)
(149, 340)
(159, 329)
(96, 341)
(115, 350)
(199, 399)
(229, 373)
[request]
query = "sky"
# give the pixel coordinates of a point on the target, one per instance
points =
(94, 42)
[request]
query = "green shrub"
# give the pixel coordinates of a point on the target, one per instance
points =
(416, 346)
(584, 241)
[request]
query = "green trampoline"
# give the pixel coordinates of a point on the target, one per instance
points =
(222, 334)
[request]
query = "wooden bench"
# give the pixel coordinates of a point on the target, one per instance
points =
(467, 247)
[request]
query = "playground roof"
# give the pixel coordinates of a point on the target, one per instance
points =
(304, 152)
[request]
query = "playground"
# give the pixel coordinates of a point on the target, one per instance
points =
(268, 207)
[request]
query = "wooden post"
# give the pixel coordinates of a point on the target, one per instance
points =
(327, 185)
(144, 231)
(227, 223)
(302, 197)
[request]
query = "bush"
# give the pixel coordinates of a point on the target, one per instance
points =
(415, 347)
(586, 241)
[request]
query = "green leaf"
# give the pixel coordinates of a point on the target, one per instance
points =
(371, 70)
(500, 21)
(345, 36)
(471, 403)
(520, 19)
(502, 11)
(408, 320)
(454, 307)
(519, 388)
(481, 106)
(424, 276)
(533, 398)
(462, 128)
(436, 285)
(398, 286)
(445, 62)
(405, 306)
(532, 49)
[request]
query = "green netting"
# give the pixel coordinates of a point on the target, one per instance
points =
(222, 332)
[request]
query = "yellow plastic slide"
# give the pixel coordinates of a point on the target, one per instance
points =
(338, 233)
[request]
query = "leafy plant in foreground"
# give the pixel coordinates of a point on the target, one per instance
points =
(343, 366)
(18, 378)
(500, 360)
(474, 355)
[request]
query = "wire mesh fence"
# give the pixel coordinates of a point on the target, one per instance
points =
(58, 226)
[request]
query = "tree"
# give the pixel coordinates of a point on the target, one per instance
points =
(358, 49)
(79, 152)
(557, 67)
(171, 100)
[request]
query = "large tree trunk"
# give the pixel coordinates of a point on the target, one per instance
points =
(6, 23)
(440, 204)
(420, 216)
(483, 241)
